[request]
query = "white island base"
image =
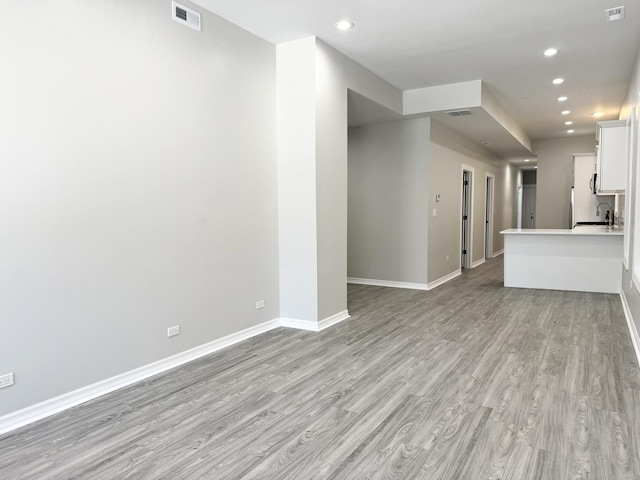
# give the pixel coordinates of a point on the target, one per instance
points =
(583, 259)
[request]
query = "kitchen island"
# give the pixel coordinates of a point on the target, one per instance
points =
(583, 259)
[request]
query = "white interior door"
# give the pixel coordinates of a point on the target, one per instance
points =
(529, 206)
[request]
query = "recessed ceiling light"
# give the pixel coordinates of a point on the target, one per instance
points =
(344, 25)
(550, 52)
(568, 123)
(535, 167)
(565, 112)
(558, 81)
(526, 159)
(562, 99)
(570, 131)
(598, 114)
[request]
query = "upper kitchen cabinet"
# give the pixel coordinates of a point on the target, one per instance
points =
(611, 161)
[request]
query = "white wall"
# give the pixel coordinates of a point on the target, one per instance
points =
(509, 180)
(388, 201)
(296, 97)
(138, 189)
(555, 177)
(632, 228)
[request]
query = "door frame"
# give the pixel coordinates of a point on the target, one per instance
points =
(466, 261)
(489, 207)
(529, 187)
(520, 199)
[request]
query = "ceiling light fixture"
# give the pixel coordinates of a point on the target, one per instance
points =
(570, 131)
(568, 123)
(598, 114)
(562, 99)
(565, 112)
(550, 52)
(558, 81)
(344, 25)
(526, 159)
(535, 167)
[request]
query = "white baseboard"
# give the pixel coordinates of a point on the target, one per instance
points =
(498, 253)
(334, 319)
(299, 324)
(55, 405)
(25, 416)
(445, 279)
(477, 263)
(387, 283)
(633, 331)
(412, 286)
(314, 326)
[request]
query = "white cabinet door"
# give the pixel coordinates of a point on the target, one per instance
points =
(612, 156)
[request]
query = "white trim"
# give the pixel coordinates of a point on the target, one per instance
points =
(334, 319)
(635, 281)
(387, 283)
(519, 180)
(633, 331)
(299, 324)
(312, 325)
(489, 201)
(472, 173)
(445, 279)
(65, 401)
(477, 263)
(498, 253)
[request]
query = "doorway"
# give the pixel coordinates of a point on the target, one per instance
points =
(488, 218)
(529, 206)
(467, 206)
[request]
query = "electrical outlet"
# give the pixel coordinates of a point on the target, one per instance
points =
(173, 331)
(435, 212)
(447, 258)
(6, 380)
(259, 304)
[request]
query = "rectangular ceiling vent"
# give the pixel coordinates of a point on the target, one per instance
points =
(185, 15)
(616, 13)
(459, 113)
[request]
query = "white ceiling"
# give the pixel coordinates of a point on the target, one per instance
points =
(422, 43)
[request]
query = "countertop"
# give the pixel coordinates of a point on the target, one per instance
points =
(583, 230)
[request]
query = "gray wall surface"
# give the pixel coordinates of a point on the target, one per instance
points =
(335, 75)
(631, 291)
(395, 171)
(448, 152)
(387, 228)
(138, 189)
(555, 177)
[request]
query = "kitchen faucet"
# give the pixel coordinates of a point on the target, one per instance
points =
(609, 216)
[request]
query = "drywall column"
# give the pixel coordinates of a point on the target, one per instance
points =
(331, 193)
(296, 91)
(313, 80)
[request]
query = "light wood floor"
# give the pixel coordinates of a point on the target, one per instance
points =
(468, 381)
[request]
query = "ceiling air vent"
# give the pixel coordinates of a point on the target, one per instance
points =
(616, 13)
(458, 113)
(185, 15)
